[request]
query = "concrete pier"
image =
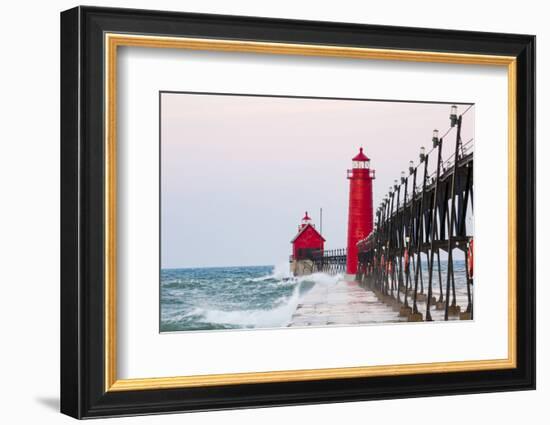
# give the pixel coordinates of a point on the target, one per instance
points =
(345, 303)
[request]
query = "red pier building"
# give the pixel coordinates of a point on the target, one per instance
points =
(360, 215)
(307, 240)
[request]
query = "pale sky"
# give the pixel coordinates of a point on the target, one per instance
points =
(238, 172)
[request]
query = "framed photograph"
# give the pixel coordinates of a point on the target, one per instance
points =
(261, 212)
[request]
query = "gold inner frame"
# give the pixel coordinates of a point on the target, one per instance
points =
(113, 41)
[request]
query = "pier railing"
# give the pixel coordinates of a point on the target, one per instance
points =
(332, 261)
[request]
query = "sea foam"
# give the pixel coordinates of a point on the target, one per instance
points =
(278, 316)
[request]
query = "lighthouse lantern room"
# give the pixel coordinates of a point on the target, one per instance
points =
(360, 215)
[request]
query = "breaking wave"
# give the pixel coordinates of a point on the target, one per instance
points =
(278, 316)
(233, 298)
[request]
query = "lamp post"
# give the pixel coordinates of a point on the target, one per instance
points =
(392, 192)
(453, 308)
(416, 316)
(406, 311)
(400, 281)
(435, 138)
(438, 143)
(454, 116)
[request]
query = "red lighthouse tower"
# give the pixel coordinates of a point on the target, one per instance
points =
(360, 218)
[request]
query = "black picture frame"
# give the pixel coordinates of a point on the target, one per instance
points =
(83, 392)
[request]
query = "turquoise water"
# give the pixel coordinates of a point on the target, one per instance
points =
(194, 299)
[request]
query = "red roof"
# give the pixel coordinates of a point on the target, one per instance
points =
(361, 156)
(303, 229)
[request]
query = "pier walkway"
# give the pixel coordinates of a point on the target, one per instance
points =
(350, 303)
(345, 303)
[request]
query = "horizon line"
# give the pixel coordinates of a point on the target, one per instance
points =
(216, 267)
